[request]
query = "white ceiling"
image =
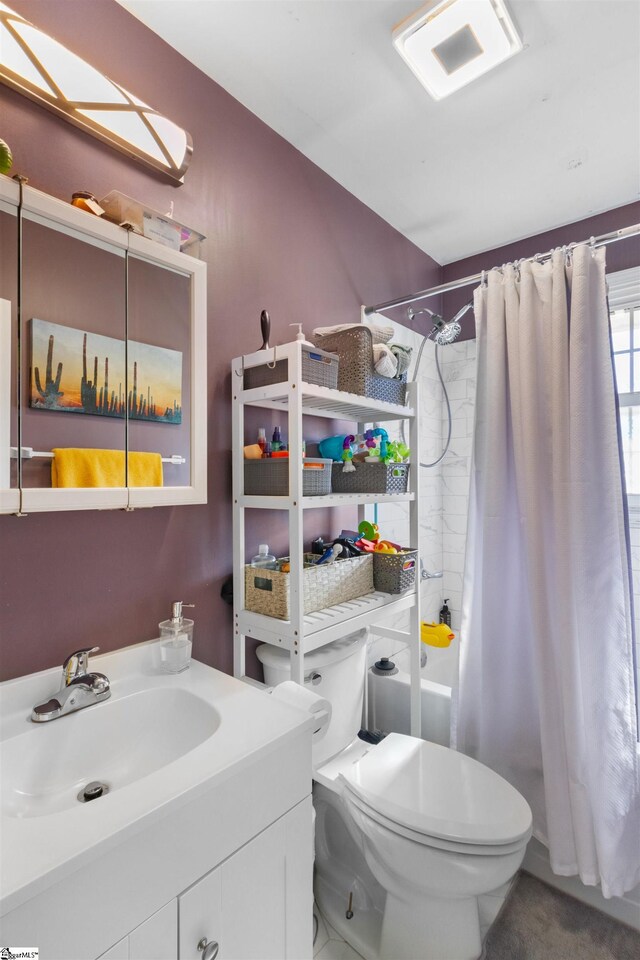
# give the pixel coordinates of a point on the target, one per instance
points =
(549, 137)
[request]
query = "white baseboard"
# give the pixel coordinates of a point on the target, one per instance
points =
(626, 909)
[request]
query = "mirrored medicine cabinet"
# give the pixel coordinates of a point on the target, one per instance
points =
(102, 362)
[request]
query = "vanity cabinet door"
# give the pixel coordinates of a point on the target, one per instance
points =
(258, 903)
(155, 939)
(240, 904)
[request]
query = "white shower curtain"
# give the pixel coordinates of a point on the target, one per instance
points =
(546, 694)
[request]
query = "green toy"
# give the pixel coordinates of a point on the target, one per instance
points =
(397, 452)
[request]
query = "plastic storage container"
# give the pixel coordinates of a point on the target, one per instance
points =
(356, 372)
(370, 478)
(394, 572)
(270, 477)
(318, 367)
(268, 591)
(120, 208)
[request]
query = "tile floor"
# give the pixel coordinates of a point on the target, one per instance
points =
(329, 945)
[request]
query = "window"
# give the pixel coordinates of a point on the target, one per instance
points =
(624, 304)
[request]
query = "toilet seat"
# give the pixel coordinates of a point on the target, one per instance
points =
(423, 839)
(431, 793)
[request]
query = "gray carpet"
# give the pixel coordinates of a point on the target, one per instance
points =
(539, 922)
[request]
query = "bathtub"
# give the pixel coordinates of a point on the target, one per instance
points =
(389, 697)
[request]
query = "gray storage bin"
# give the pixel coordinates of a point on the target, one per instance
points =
(270, 477)
(394, 572)
(371, 478)
(356, 373)
(318, 367)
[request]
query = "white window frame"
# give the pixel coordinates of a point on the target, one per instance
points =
(624, 294)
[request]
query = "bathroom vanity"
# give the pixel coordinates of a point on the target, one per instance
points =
(204, 837)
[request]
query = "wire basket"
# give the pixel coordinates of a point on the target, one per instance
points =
(370, 478)
(324, 585)
(394, 572)
(357, 373)
(318, 367)
(269, 477)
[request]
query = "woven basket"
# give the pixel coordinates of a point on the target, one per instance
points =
(270, 477)
(267, 591)
(394, 572)
(370, 478)
(318, 367)
(356, 373)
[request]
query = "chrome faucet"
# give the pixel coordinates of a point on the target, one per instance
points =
(79, 688)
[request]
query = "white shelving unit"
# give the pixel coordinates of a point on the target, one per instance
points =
(303, 633)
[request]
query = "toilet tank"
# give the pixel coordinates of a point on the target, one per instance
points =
(335, 672)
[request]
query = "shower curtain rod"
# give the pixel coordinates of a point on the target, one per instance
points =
(600, 241)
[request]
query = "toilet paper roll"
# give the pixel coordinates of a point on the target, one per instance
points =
(296, 696)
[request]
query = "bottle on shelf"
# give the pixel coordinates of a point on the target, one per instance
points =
(276, 440)
(445, 613)
(262, 440)
(264, 559)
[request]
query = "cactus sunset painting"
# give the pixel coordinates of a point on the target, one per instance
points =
(73, 371)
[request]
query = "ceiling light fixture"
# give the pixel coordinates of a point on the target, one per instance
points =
(449, 43)
(42, 69)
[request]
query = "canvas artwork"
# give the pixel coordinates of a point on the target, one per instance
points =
(73, 371)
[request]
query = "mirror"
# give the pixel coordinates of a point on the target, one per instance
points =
(73, 357)
(159, 367)
(9, 497)
(108, 369)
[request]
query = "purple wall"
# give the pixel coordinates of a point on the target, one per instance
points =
(620, 255)
(281, 234)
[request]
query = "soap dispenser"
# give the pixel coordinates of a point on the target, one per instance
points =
(177, 637)
(177, 624)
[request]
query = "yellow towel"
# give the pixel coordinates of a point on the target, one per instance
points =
(76, 467)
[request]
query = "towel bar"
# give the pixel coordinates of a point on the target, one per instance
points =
(28, 453)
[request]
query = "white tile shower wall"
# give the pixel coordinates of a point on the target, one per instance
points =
(393, 519)
(458, 361)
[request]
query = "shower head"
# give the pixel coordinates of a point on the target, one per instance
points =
(444, 331)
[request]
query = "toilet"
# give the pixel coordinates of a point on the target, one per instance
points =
(409, 834)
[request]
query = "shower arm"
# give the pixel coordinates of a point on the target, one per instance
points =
(601, 241)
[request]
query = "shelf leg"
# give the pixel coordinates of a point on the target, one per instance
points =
(239, 560)
(414, 526)
(296, 534)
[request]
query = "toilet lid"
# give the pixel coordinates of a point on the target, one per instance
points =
(438, 792)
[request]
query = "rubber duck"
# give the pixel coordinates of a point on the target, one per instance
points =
(383, 546)
(436, 634)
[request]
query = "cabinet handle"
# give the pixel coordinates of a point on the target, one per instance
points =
(209, 950)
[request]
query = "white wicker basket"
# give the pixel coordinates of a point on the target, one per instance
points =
(324, 585)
